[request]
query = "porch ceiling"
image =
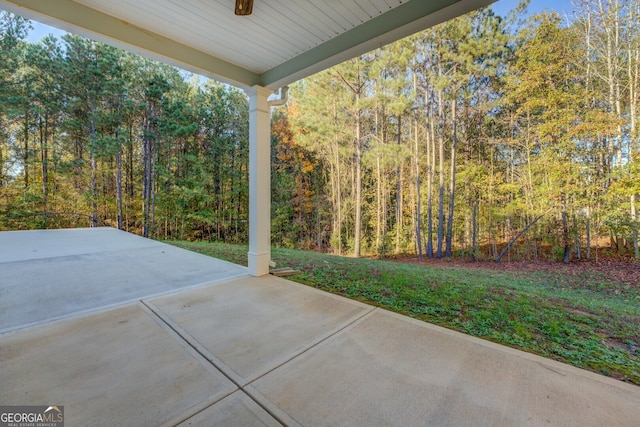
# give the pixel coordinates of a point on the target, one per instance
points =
(281, 42)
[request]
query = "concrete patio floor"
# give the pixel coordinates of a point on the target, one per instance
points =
(122, 330)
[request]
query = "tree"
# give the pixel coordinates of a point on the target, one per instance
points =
(320, 123)
(12, 30)
(353, 74)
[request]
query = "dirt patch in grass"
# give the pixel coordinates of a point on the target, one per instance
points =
(613, 342)
(583, 313)
(611, 271)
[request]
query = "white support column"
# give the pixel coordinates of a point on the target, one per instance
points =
(259, 181)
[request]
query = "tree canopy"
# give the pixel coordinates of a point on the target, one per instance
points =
(481, 134)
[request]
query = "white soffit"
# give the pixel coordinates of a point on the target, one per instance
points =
(281, 42)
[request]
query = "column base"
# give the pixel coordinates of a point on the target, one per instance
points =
(259, 263)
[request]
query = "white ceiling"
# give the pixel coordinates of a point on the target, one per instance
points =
(282, 41)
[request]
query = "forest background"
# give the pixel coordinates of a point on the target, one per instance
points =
(482, 134)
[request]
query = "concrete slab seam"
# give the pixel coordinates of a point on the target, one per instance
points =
(79, 254)
(280, 415)
(183, 417)
(196, 409)
(271, 407)
(351, 323)
(238, 380)
(54, 319)
(183, 335)
(179, 421)
(107, 307)
(197, 285)
(177, 336)
(192, 342)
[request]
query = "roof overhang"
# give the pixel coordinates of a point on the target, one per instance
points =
(224, 40)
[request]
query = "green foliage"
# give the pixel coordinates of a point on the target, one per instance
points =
(93, 132)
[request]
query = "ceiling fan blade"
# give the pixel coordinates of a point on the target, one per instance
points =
(244, 7)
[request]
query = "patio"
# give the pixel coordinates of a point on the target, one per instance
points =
(123, 330)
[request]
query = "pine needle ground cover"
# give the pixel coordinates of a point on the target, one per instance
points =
(586, 320)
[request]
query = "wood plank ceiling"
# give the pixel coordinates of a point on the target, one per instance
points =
(282, 41)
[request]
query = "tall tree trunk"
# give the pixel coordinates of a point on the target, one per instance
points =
(399, 213)
(634, 90)
(44, 159)
(94, 190)
(378, 186)
(565, 232)
(153, 189)
(130, 182)
(441, 173)
(378, 205)
(431, 161)
(338, 180)
(588, 84)
(474, 231)
(336, 183)
(634, 95)
(588, 227)
(233, 202)
(358, 177)
(416, 156)
(611, 26)
(576, 239)
(335, 232)
(634, 226)
(452, 179)
(491, 231)
(146, 185)
(94, 169)
(25, 154)
(119, 183)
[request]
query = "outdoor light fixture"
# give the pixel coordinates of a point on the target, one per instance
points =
(244, 7)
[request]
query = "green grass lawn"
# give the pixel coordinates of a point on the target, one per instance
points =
(583, 320)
